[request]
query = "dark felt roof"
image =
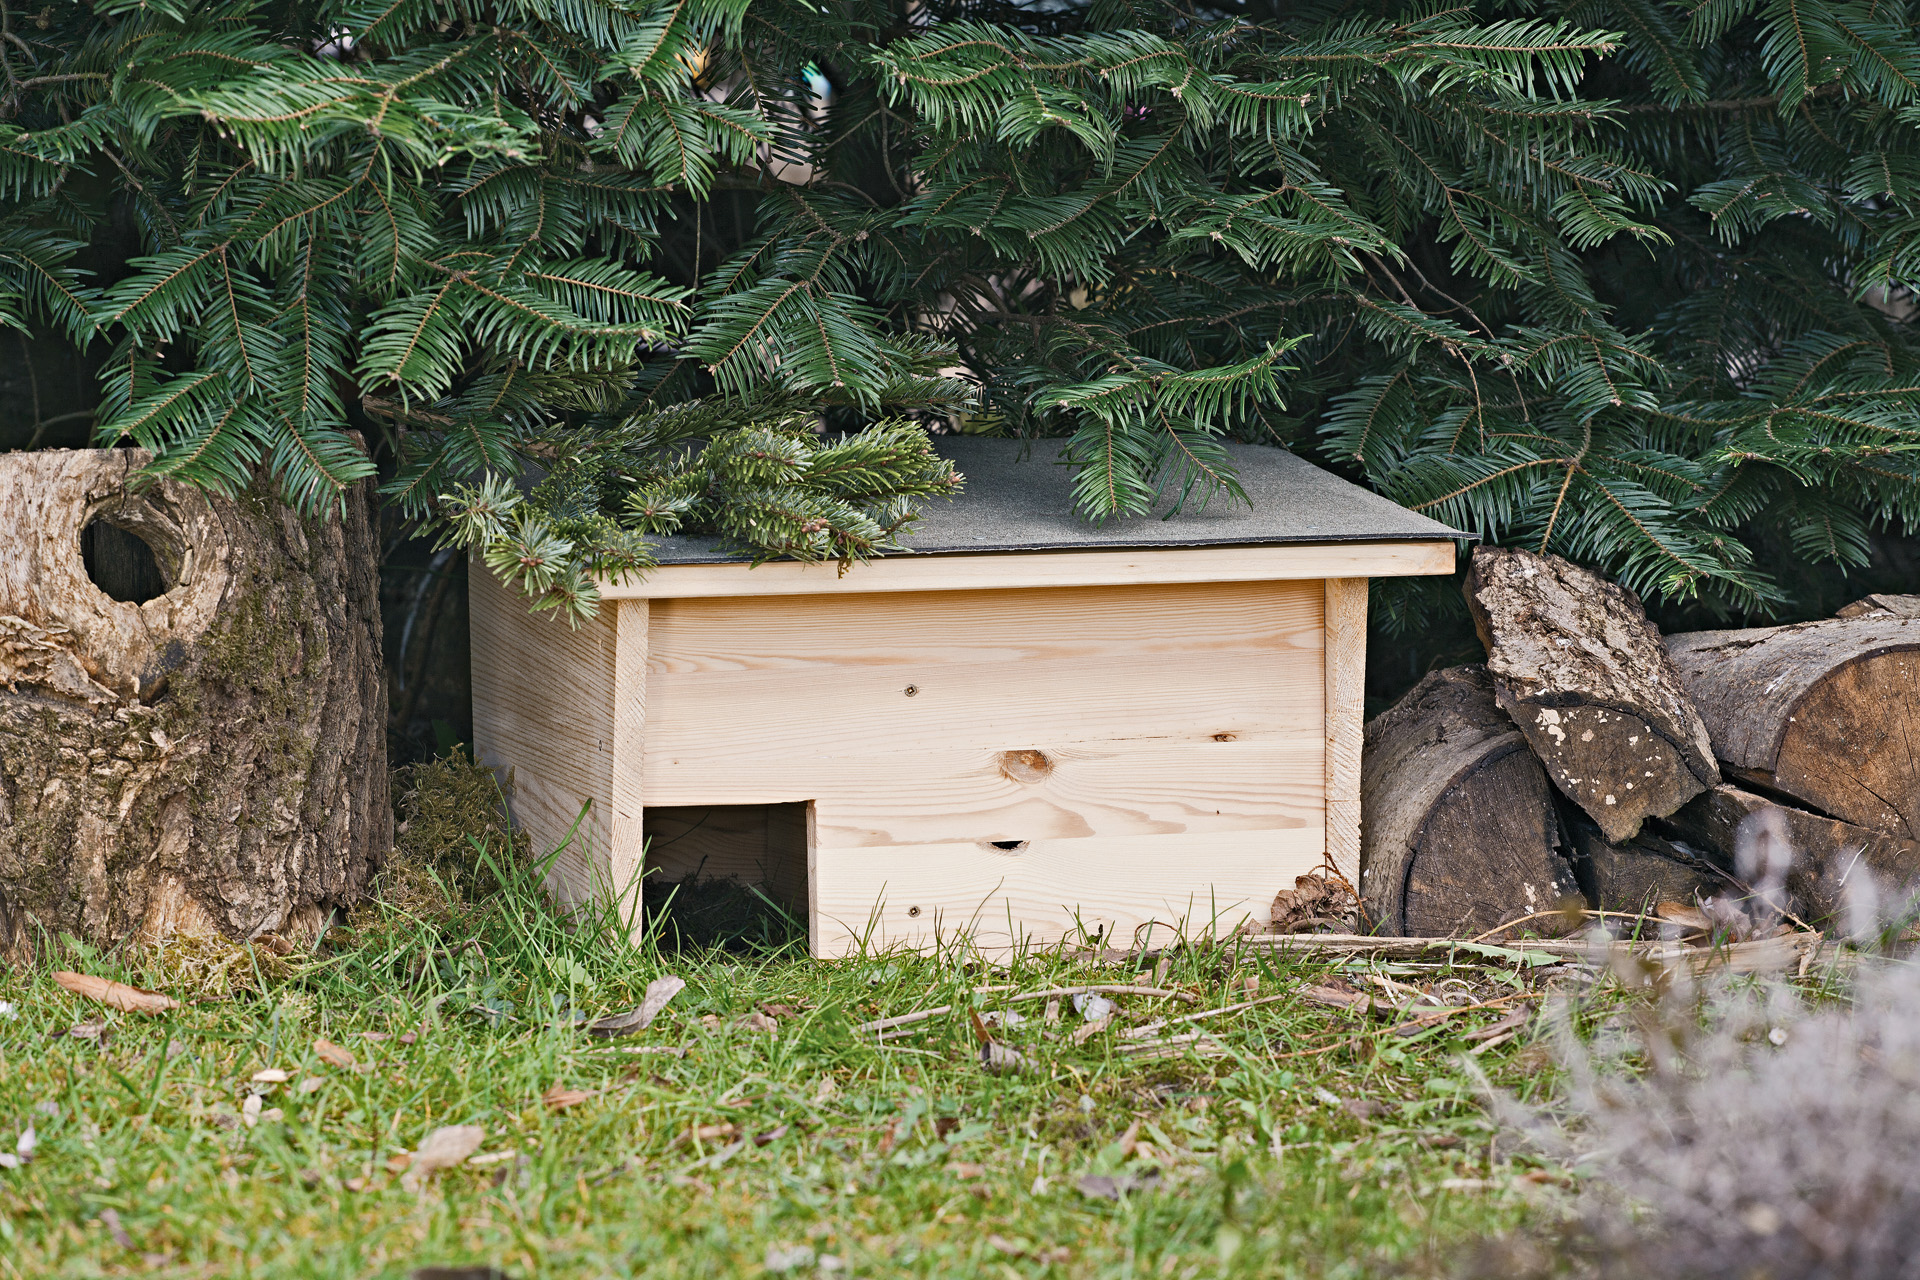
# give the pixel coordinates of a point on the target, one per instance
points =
(1017, 499)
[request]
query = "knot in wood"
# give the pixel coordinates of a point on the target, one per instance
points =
(1025, 766)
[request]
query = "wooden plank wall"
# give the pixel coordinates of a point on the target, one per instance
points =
(543, 707)
(1147, 753)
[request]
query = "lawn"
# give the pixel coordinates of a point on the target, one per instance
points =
(749, 1129)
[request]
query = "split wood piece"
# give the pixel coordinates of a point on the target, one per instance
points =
(1826, 713)
(1582, 672)
(192, 711)
(1638, 874)
(1881, 606)
(1827, 852)
(1461, 833)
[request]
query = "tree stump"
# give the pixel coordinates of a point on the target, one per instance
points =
(1826, 713)
(1582, 672)
(192, 714)
(1827, 852)
(1458, 828)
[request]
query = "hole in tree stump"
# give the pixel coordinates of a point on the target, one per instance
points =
(121, 563)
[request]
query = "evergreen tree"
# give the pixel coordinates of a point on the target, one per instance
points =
(1630, 281)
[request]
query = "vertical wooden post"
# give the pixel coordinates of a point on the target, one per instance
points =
(1346, 680)
(626, 844)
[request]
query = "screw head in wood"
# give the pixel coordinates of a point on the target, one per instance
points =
(913, 911)
(912, 689)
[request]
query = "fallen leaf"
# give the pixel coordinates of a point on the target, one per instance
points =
(111, 1218)
(375, 1036)
(398, 1163)
(559, 1099)
(965, 1171)
(444, 1148)
(275, 943)
(780, 1010)
(1364, 1108)
(770, 1135)
(999, 1060)
(115, 995)
(7, 1010)
(1683, 914)
(1103, 1186)
(272, 1075)
(334, 1056)
(758, 1021)
(1021, 1249)
(92, 1029)
(1092, 1007)
(22, 1151)
(1088, 1030)
(1053, 1010)
(659, 993)
(407, 1037)
(250, 1110)
(312, 1084)
(355, 1184)
(272, 1114)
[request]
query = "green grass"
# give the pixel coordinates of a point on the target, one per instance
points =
(906, 1158)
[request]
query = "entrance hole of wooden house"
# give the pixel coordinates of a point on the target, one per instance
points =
(760, 845)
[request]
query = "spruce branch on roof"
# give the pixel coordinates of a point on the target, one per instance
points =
(1618, 278)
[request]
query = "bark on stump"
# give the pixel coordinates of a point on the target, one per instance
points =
(1826, 713)
(209, 761)
(1582, 672)
(1458, 828)
(1828, 852)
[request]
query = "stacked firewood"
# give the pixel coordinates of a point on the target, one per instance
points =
(1591, 761)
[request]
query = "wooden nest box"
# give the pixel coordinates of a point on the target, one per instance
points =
(1020, 728)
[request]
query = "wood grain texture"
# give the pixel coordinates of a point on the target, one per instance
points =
(1014, 571)
(626, 841)
(1147, 889)
(1081, 717)
(1825, 712)
(543, 706)
(1346, 690)
(1583, 673)
(1881, 606)
(1460, 830)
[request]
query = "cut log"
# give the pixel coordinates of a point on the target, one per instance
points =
(1458, 828)
(1881, 606)
(1645, 871)
(1828, 852)
(1826, 714)
(207, 760)
(1582, 672)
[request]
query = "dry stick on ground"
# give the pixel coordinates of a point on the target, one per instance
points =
(1585, 677)
(907, 1019)
(1460, 822)
(1827, 713)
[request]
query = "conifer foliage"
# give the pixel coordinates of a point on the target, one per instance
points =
(1625, 280)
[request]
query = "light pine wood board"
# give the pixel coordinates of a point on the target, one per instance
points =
(1012, 571)
(1150, 888)
(794, 699)
(1346, 691)
(543, 706)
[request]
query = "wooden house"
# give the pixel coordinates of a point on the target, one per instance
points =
(1018, 728)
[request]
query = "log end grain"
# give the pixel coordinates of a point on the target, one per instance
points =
(1459, 831)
